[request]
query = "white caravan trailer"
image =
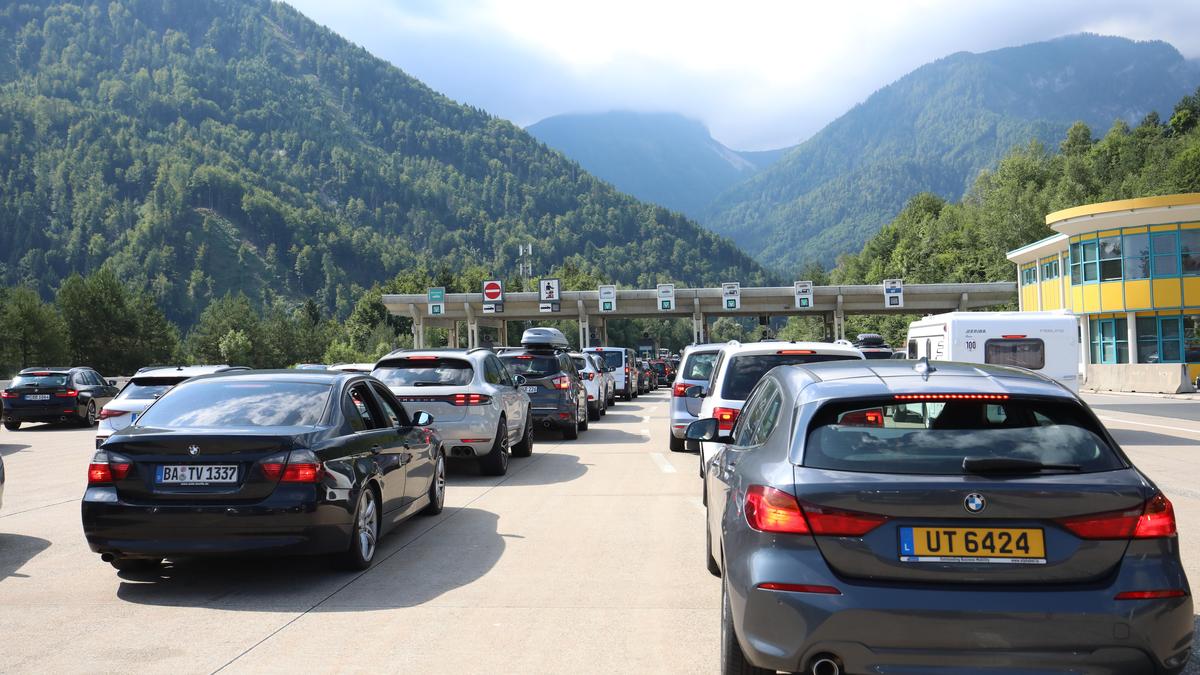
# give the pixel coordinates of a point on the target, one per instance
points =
(1047, 342)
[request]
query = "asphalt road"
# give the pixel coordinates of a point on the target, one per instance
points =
(586, 558)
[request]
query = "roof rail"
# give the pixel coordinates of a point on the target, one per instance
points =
(478, 349)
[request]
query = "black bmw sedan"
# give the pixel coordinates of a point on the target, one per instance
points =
(276, 462)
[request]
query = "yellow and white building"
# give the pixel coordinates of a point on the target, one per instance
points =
(1130, 270)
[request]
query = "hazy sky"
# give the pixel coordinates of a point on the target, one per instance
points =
(760, 74)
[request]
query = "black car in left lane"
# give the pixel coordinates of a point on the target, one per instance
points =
(275, 462)
(56, 395)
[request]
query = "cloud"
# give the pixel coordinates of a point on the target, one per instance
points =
(762, 73)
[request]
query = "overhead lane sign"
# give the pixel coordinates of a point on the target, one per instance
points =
(804, 295)
(666, 297)
(493, 296)
(437, 301)
(549, 295)
(608, 299)
(731, 295)
(893, 292)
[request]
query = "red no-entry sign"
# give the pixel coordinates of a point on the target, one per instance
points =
(493, 291)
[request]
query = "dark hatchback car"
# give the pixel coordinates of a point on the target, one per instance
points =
(276, 462)
(892, 517)
(56, 395)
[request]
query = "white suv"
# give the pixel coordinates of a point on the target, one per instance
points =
(143, 389)
(479, 408)
(595, 382)
(740, 366)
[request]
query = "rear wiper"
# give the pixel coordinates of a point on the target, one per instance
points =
(428, 384)
(1011, 465)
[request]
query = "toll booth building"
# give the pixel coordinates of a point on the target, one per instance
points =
(1130, 270)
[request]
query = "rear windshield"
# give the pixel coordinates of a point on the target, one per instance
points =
(580, 363)
(148, 387)
(52, 380)
(699, 365)
(417, 372)
(1024, 352)
(931, 437)
(660, 368)
(530, 365)
(613, 359)
(744, 372)
(877, 354)
(226, 403)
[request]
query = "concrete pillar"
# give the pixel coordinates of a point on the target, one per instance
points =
(585, 336)
(1063, 278)
(503, 341)
(1131, 335)
(1020, 295)
(472, 327)
(962, 303)
(1085, 345)
(1037, 282)
(604, 332)
(452, 340)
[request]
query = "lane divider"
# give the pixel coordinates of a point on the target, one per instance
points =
(661, 460)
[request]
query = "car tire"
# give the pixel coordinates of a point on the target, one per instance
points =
(678, 444)
(524, 447)
(12, 425)
(594, 411)
(364, 532)
(733, 659)
(437, 487)
(582, 420)
(570, 431)
(603, 407)
(710, 562)
(135, 564)
(89, 418)
(495, 463)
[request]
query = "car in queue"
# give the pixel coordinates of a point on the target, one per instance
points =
(556, 392)
(353, 367)
(873, 346)
(262, 462)
(645, 377)
(622, 361)
(481, 409)
(608, 381)
(663, 371)
(740, 366)
(142, 390)
(56, 395)
(695, 370)
(892, 516)
(594, 383)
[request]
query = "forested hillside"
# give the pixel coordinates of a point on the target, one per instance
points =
(205, 146)
(933, 131)
(933, 240)
(662, 158)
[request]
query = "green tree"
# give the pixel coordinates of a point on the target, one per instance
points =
(235, 347)
(34, 332)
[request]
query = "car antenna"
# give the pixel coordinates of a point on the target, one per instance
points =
(924, 368)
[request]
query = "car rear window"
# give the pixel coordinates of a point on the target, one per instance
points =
(613, 359)
(1024, 352)
(699, 365)
(743, 372)
(659, 368)
(148, 387)
(581, 363)
(238, 403)
(531, 365)
(877, 353)
(425, 372)
(934, 437)
(34, 380)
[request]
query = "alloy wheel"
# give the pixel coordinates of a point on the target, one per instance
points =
(367, 526)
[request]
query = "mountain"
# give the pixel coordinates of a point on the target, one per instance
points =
(209, 146)
(934, 130)
(662, 158)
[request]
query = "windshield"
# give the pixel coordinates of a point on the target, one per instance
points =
(699, 365)
(931, 437)
(238, 403)
(744, 372)
(148, 387)
(44, 380)
(660, 368)
(530, 365)
(425, 372)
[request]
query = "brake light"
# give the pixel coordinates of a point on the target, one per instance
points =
(862, 418)
(680, 389)
(421, 358)
(1012, 337)
(7, 394)
(1151, 595)
(1154, 520)
(795, 351)
(591, 376)
(835, 523)
(626, 370)
(105, 413)
(105, 468)
(725, 418)
(301, 466)
(951, 397)
(70, 393)
(471, 399)
(771, 510)
(523, 358)
(561, 382)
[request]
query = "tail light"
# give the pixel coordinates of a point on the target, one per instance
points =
(106, 414)
(680, 389)
(561, 382)
(106, 467)
(591, 376)
(299, 466)
(70, 393)
(471, 399)
(627, 370)
(798, 588)
(1153, 520)
(725, 418)
(8, 394)
(770, 510)
(872, 417)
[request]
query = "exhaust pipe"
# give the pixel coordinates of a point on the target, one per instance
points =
(825, 664)
(107, 557)
(547, 424)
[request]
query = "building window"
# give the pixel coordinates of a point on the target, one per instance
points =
(1170, 339)
(1091, 261)
(1137, 256)
(1110, 341)
(1191, 338)
(1075, 262)
(1110, 259)
(1189, 251)
(1165, 247)
(1050, 270)
(1028, 276)
(1147, 339)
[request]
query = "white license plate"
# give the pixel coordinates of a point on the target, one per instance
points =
(37, 397)
(531, 389)
(196, 474)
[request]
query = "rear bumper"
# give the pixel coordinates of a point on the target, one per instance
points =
(885, 628)
(292, 523)
(552, 416)
(42, 413)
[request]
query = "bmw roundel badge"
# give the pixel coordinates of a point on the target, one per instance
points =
(974, 502)
(194, 449)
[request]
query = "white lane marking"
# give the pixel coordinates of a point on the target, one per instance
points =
(646, 419)
(644, 432)
(1118, 420)
(662, 462)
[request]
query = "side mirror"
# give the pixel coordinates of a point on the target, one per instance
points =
(694, 391)
(424, 419)
(706, 430)
(520, 380)
(112, 383)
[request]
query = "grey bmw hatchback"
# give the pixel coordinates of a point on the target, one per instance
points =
(917, 517)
